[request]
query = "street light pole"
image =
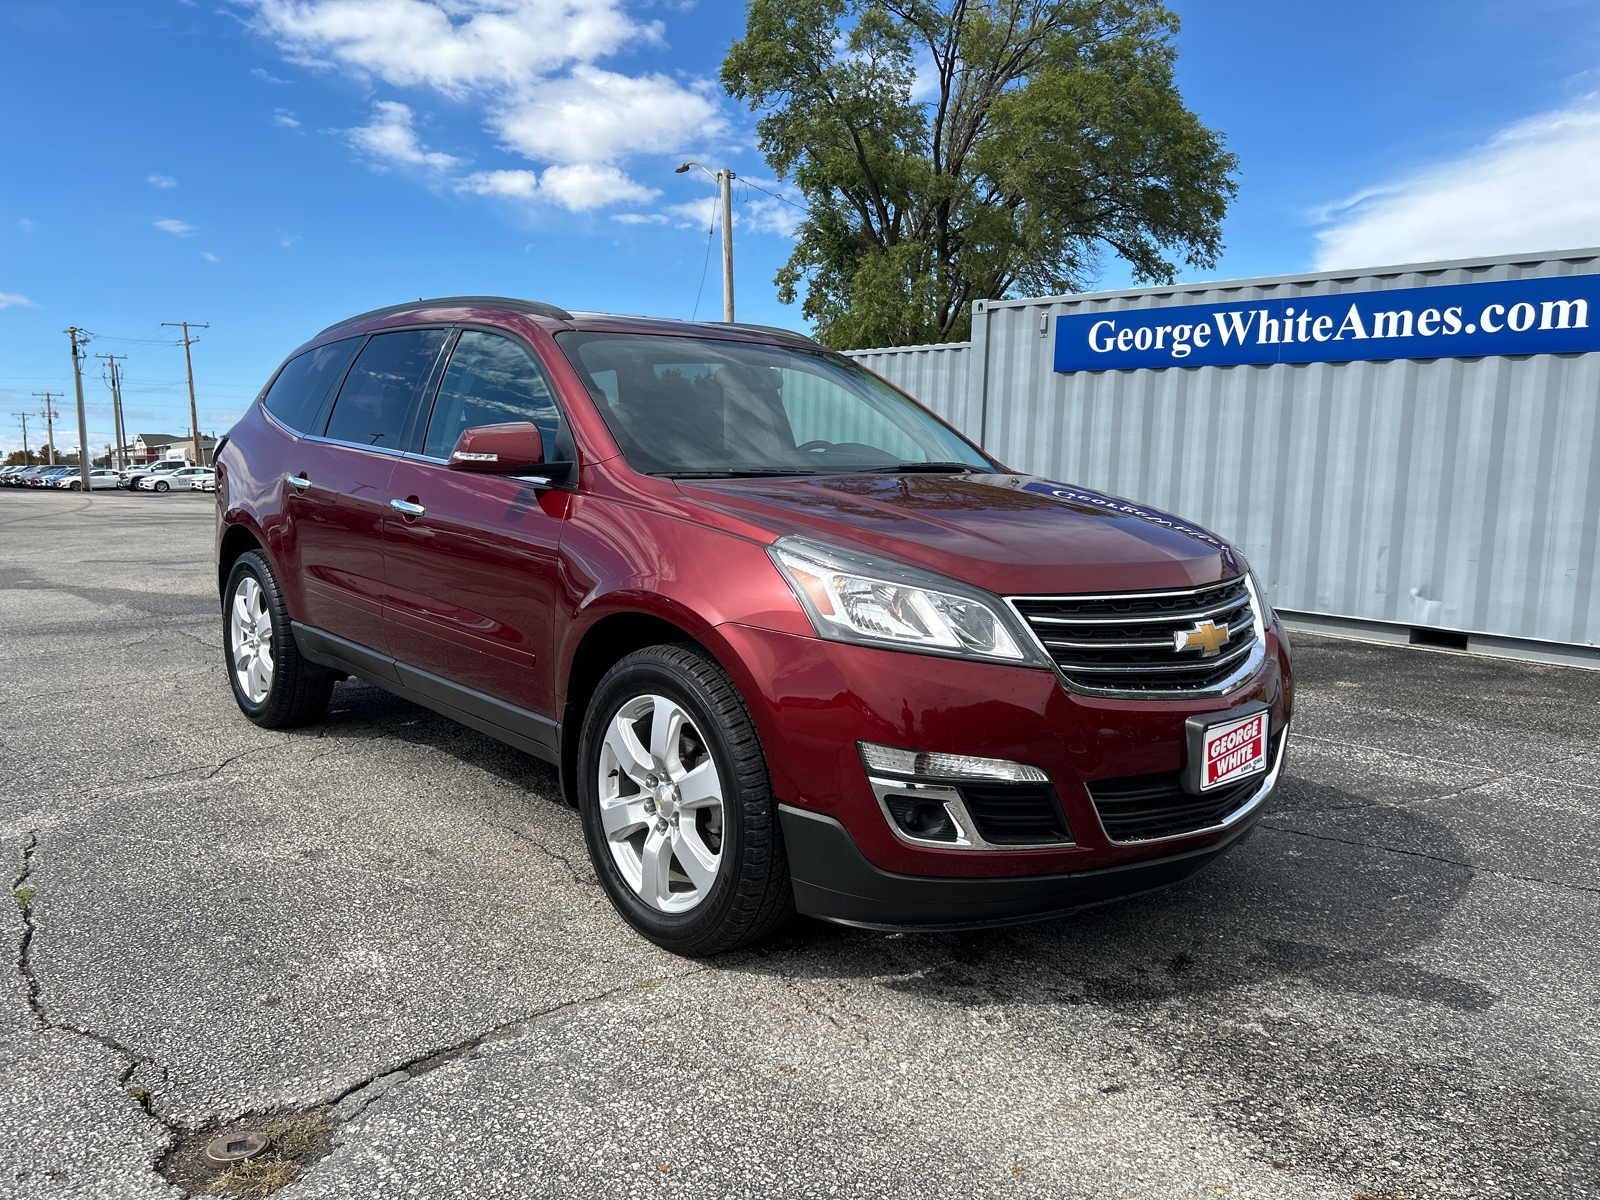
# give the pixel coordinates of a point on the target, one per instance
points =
(724, 179)
(194, 417)
(49, 413)
(79, 337)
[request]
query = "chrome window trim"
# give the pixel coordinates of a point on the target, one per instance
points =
(967, 835)
(328, 441)
(1254, 803)
(1232, 683)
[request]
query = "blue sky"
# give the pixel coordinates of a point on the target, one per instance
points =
(271, 166)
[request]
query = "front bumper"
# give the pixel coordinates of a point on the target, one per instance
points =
(833, 880)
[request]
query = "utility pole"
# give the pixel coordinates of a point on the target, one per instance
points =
(49, 414)
(79, 339)
(724, 179)
(194, 416)
(116, 405)
(26, 453)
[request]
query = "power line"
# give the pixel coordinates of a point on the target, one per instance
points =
(710, 229)
(774, 195)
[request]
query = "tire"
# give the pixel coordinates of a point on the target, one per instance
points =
(76, 487)
(291, 690)
(700, 910)
(163, 486)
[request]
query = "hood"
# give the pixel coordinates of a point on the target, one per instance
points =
(1012, 534)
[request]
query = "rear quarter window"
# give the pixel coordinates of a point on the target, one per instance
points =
(297, 394)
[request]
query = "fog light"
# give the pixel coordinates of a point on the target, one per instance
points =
(923, 819)
(929, 765)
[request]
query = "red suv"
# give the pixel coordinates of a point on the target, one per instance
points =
(793, 642)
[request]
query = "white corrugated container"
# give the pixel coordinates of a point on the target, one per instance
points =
(1458, 494)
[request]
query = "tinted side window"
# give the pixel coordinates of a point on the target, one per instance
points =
(296, 395)
(490, 380)
(378, 394)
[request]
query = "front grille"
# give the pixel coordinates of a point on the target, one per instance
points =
(1015, 814)
(1122, 644)
(1141, 808)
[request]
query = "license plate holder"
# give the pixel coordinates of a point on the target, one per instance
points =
(1227, 748)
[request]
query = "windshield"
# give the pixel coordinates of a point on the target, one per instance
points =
(701, 407)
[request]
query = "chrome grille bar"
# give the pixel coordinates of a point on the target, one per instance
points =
(1121, 644)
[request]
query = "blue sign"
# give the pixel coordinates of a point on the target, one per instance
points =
(1525, 316)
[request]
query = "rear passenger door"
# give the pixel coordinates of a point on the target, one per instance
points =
(471, 573)
(338, 485)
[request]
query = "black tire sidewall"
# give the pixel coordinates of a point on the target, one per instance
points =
(635, 676)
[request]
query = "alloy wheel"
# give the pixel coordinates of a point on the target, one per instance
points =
(251, 628)
(661, 804)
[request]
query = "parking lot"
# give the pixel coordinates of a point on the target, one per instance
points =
(385, 927)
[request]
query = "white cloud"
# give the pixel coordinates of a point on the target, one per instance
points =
(26, 225)
(455, 46)
(285, 118)
(588, 185)
(262, 75)
(600, 116)
(640, 218)
(163, 181)
(389, 137)
(514, 185)
(175, 227)
(577, 188)
(1533, 186)
(209, 257)
(14, 300)
(530, 67)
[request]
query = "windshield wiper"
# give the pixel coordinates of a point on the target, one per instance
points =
(730, 473)
(908, 467)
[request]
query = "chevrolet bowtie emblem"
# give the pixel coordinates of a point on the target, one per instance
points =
(1204, 637)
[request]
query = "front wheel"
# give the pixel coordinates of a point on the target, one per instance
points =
(76, 487)
(272, 684)
(677, 807)
(163, 486)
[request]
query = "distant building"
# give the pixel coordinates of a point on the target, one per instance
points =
(148, 447)
(151, 447)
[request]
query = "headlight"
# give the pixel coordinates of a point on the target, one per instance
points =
(855, 597)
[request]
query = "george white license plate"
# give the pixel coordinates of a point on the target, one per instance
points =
(1234, 750)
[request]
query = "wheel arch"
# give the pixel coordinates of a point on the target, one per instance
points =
(236, 541)
(603, 644)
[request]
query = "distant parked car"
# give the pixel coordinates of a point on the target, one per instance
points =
(8, 475)
(134, 476)
(99, 477)
(49, 477)
(175, 481)
(206, 483)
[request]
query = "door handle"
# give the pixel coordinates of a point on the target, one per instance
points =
(299, 481)
(407, 509)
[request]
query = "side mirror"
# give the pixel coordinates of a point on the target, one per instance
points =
(514, 448)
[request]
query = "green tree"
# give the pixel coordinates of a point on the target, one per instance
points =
(959, 150)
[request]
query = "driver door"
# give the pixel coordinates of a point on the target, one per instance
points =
(471, 579)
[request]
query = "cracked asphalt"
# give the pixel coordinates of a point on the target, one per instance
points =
(1390, 991)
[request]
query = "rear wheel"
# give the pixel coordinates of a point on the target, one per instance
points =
(677, 808)
(273, 685)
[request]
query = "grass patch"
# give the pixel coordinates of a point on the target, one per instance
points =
(293, 1138)
(23, 897)
(258, 1177)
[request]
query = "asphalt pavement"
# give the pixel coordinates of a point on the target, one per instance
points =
(385, 927)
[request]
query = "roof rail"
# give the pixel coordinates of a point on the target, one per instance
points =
(527, 306)
(773, 329)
